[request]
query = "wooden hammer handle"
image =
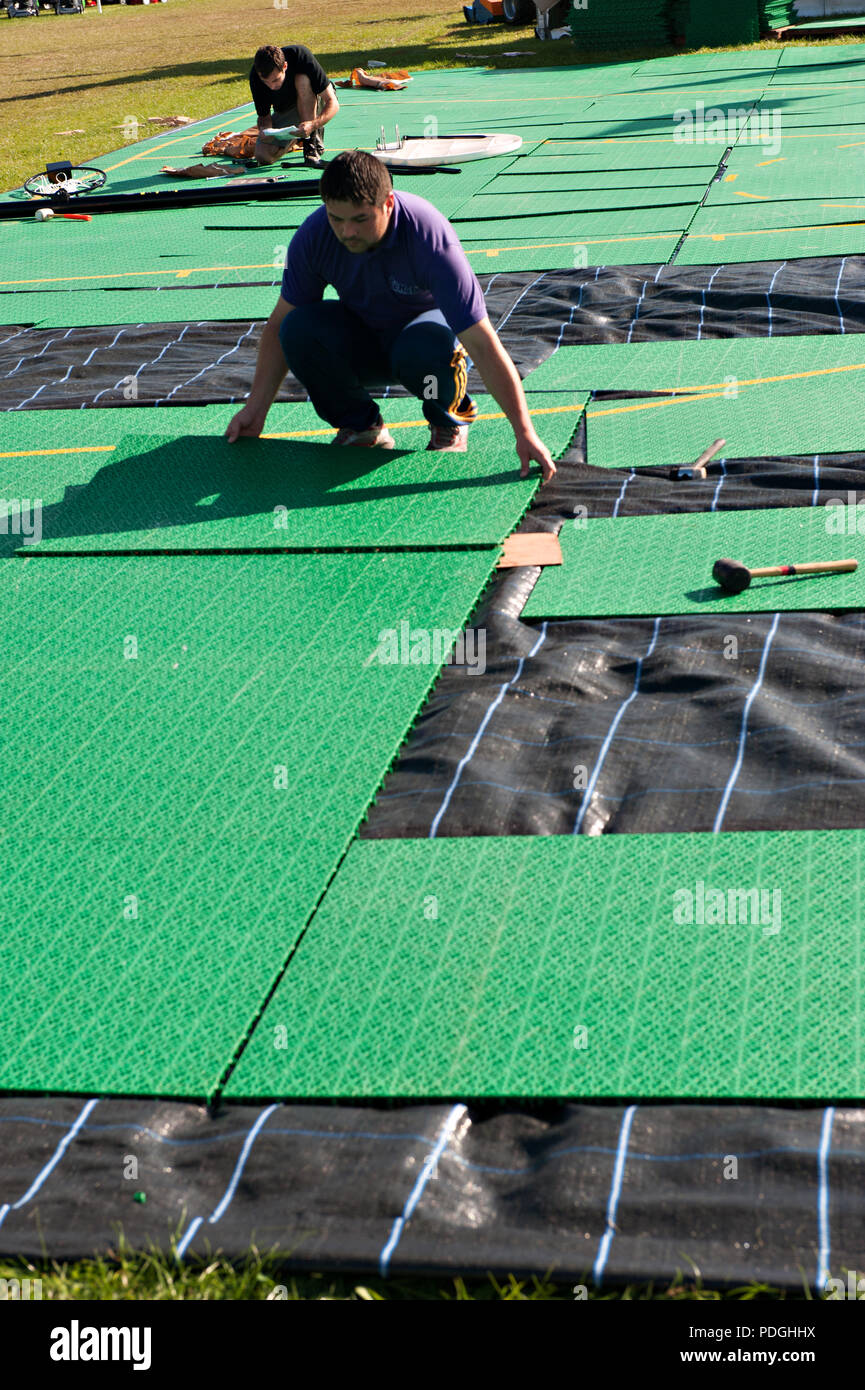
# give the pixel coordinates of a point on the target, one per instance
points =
(697, 469)
(811, 567)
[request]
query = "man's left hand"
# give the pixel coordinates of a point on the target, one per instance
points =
(306, 128)
(531, 449)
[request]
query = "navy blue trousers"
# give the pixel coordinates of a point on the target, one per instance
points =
(337, 358)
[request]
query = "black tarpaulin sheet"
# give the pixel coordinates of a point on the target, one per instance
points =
(591, 1194)
(200, 362)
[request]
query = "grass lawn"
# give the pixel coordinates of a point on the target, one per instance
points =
(191, 58)
(125, 1275)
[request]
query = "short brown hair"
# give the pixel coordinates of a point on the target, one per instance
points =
(356, 177)
(268, 59)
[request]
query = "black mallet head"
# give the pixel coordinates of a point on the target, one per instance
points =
(731, 575)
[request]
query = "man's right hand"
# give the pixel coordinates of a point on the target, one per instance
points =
(246, 424)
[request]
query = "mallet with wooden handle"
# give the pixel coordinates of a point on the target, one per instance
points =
(698, 468)
(733, 576)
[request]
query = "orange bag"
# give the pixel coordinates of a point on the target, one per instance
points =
(393, 80)
(241, 146)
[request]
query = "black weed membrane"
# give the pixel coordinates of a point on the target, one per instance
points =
(506, 745)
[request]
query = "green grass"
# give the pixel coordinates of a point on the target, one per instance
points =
(191, 58)
(125, 1275)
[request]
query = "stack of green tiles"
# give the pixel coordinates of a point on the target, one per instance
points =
(707, 23)
(775, 14)
(607, 25)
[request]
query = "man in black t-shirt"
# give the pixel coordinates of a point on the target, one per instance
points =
(295, 85)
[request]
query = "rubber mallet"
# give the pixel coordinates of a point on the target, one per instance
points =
(44, 214)
(698, 468)
(734, 576)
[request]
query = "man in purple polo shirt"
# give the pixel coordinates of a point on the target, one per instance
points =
(409, 309)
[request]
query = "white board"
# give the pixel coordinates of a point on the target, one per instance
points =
(282, 133)
(418, 152)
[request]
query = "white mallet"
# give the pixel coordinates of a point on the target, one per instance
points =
(43, 214)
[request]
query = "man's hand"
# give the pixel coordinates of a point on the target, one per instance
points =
(270, 370)
(502, 380)
(306, 128)
(246, 424)
(532, 449)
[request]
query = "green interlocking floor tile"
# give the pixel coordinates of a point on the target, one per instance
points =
(808, 414)
(700, 966)
(99, 308)
(637, 155)
(624, 222)
(122, 249)
(710, 363)
(789, 176)
(203, 735)
(561, 254)
(691, 182)
(505, 206)
(158, 489)
(646, 565)
(779, 216)
(30, 431)
(772, 244)
(204, 493)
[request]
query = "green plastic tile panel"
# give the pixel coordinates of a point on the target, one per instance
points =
(560, 254)
(842, 179)
(691, 182)
(621, 222)
(199, 492)
(619, 155)
(820, 414)
(118, 250)
(778, 215)
(610, 128)
(539, 171)
(556, 966)
(822, 56)
(742, 61)
(785, 244)
(192, 491)
(99, 308)
(33, 430)
(710, 363)
(158, 871)
(809, 24)
(646, 565)
(502, 206)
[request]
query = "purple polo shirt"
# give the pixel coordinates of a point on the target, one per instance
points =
(418, 266)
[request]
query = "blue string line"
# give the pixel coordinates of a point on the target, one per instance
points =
(615, 1189)
(605, 747)
(823, 1229)
(218, 1211)
(743, 732)
(416, 1193)
(52, 1162)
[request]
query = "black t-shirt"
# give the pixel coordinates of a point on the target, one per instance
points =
(299, 60)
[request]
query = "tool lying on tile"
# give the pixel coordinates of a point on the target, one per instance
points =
(698, 468)
(733, 576)
(45, 213)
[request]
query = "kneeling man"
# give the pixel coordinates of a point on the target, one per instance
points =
(409, 309)
(295, 84)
